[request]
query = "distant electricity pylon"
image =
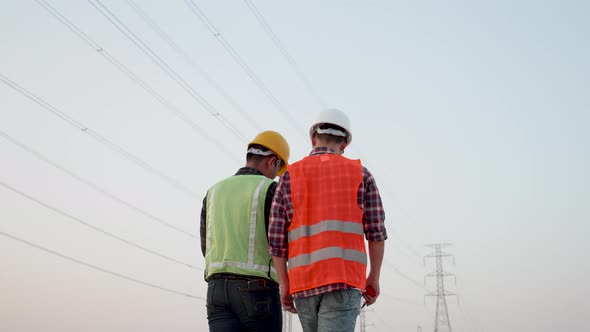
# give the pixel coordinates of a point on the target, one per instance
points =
(441, 320)
(362, 322)
(287, 321)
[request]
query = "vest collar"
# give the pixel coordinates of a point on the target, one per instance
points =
(249, 171)
(322, 150)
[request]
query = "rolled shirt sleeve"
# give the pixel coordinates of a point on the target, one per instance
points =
(281, 213)
(373, 212)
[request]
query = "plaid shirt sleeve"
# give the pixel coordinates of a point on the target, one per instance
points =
(281, 213)
(369, 200)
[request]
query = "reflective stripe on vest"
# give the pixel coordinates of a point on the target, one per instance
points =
(326, 253)
(231, 252)
(328, 225)
(326, 243)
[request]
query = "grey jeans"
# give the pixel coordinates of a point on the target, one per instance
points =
(329, 312)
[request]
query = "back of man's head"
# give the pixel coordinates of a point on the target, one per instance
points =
(332, 122)
(331, 134)
(258, 153)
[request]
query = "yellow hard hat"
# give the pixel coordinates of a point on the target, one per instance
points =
(277, 144)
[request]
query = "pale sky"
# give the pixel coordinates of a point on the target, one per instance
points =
(471, 115)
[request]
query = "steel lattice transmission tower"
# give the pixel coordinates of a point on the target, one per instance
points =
(441, 320)
(362, 323)
(287, 321)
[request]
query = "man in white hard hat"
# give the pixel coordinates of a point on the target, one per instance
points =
(323, 207)
(243, 292)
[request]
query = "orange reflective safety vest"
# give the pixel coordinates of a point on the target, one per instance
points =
(326, 244)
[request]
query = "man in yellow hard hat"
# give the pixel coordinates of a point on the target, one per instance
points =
(243, 292)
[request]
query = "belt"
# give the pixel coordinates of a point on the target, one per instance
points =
(249, 279)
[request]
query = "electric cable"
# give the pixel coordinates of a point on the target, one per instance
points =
(95, 228)
(95, 267)
(189, 60)
(236, 56)
(405, 252)
(96, 136)
(94, 186)
(125, 70)
(404, 276)
(156, 59)
(273, 36)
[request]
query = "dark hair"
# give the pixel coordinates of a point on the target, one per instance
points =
(331, 138)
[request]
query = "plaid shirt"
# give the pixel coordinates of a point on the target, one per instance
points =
(281, 214)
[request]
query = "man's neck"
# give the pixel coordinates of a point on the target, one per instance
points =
(253, 165)
(335, 147)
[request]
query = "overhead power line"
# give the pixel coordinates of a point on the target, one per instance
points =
(469, 318)
(240, 61)
(125, 70)
(95, 228)
(189, 60)
(387, 325)
(409, 249)
(116, 274)
(404, 252)
(403, 275)
(71, 121)
(275, 39)
(163, 65)
(94, 186)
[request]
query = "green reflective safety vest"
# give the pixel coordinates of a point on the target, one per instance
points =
(236, 233)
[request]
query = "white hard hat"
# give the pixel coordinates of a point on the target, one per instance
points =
(335, 117)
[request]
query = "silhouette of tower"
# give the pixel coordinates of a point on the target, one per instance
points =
(441, 320)
(287, 321)
(362, 322)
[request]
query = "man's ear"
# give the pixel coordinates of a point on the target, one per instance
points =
(270, 162)
(343, 147)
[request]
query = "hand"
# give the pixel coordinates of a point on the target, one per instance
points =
(287, 300)
(371, 293)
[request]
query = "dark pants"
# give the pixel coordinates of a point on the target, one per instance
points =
(242, 305)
